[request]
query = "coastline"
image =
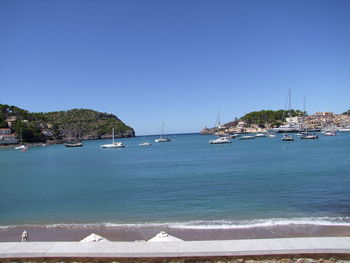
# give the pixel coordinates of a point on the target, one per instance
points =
(129, 233)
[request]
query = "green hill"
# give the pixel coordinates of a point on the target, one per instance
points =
(269, 117)
(62, 125)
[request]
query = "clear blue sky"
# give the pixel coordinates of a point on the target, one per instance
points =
(176, 61)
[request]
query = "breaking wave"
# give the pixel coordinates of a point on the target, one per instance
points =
(215, 224)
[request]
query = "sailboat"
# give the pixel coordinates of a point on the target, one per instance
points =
(220, 139)
(113, 144)
(306, 135)
(285, 137)
(73, 142)
(162, 137)
(22, 146)
(144, 143)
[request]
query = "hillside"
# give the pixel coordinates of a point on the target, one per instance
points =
(269, 117)
(261, 119)
(62, 125)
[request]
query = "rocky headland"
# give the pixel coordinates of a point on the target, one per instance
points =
(60, 126)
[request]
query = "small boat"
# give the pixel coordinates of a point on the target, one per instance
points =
(73, 144)
(344, 129)
(329, 133)
(299, 134)
(145, 144)
(271, 135)
(247, 137)
(232, 136)
(260, 135)
(220, 140)
(162, 137)
(309, 136)
(287, 138)
(21, 147)
(113, 144)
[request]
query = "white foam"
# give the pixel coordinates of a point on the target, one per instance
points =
(214, 224)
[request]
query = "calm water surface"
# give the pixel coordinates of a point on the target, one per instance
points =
(185, 180)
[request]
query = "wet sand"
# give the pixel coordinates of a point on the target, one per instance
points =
(127, 233)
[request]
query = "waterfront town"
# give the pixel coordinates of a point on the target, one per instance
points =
(316, 121)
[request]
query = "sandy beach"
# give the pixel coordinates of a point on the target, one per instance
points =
(132, 233)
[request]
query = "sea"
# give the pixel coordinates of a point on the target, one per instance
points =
(186, 183)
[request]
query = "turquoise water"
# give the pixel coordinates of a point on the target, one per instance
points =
(186, 181)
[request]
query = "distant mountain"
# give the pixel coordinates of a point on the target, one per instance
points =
(62, 125)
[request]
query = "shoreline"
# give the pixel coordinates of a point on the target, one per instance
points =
(133, 233)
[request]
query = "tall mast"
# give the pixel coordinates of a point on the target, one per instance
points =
(219, 124)
(162, 131)
(113, 135)
(289, 103)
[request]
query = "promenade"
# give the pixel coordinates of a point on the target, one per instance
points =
(232, 248)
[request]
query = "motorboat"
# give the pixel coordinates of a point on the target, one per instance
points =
(329, 133)
(232, 136)
(344, 129)
(21, 147)
(260, 135)
(287, 128)
(220, 140)
(247, 137)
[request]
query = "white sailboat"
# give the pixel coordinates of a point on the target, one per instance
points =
(22, 146)
(162, 137)
(144, 143)
(73, 142)
(220, 139)
(113, 144)
(285, 137)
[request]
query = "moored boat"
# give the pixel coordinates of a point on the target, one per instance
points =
(220, 140)
(73, 144)
(162, 137)
(232, 136)
(113, 144)
(344, 129)
(270, 135)
(329, 133)
(21, 147)
(145, 144)
(247, 137)
(309, 136)
(287, 138)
